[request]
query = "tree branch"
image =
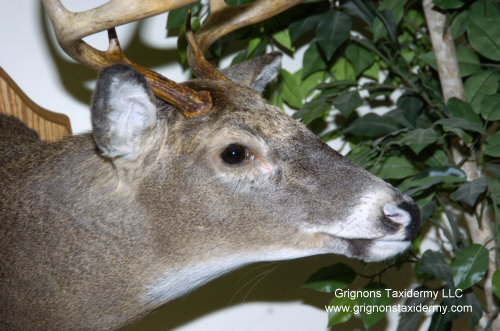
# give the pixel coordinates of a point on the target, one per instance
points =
(451, 84)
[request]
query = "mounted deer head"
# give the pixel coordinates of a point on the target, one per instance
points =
(170, 191)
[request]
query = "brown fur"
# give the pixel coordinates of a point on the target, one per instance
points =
(100, 229)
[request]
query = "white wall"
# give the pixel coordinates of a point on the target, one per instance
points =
(31, 56)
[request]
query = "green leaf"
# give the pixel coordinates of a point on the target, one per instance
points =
(398, 115)
(434, 263)
(393, 134)
(449, 4)
(491, 145)
(437, 322)
(470, 266)
(329, 279)
(432, 176)
(389, 20)
(360, 57)
(379, 31)
(423, 199)
(330, 135)
(391, 12)
(291, 93)
(452, 301)
(312, 61)
(177, 17)
(485, 8)
(450, 123)
(416, 18)
(436, 159)
(490, 107)
(411, 319)
(372, 72)
(493, 169)
(360, 155)
(182, 46)
(252, 44)
(396, 7)
(478, 85)
(484, 35)
(495, 283)
(312, 110)
(259, 49)
(300, 27)
(343, 69)
(459, 24)
(378, 297)
(348, 102)
(465, 137)
(403, 187)
(426, 211)
(343, 84)
(362, 9)
(241, 57)
(418, 139)
(462, 109)
(477, 310)
(441, 172)
(395, 167)
(182, 42)
(283, 38)
(343, 310)
(411, 107)
(310, 83)
(372, 125)
(332, 31)
(468, 61)
(470, 191)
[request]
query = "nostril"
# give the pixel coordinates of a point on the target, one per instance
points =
(396, 214)
(396, 218)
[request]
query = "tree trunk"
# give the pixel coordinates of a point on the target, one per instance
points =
(451, 84)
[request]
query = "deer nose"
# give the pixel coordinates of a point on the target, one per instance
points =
(407, 214)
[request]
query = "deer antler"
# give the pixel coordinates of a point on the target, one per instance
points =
(196, 59)
(70, 28)
(225, 19)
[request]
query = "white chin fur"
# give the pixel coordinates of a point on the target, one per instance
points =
(384, 249)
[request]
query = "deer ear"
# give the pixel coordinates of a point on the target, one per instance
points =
(255, 73)
(123, 111)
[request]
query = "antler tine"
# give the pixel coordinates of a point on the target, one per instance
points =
(197, 62)
(71, 27)
(225, 19)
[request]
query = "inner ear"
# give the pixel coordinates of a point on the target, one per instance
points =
(255, 73)
(123, 111)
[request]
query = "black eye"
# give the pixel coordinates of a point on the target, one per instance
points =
(234, 154)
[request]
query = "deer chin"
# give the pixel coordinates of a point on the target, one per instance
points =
(384, 249)
(369, 250)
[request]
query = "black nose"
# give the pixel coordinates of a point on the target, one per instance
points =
(414, 226)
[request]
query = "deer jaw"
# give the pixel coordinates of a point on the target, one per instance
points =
(98, 230)
(104, 228)
(221, 208)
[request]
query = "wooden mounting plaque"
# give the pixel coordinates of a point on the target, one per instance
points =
(13, 101)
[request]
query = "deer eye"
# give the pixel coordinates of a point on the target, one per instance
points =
(235, 154)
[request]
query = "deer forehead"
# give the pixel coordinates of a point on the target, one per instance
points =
(239, 115)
